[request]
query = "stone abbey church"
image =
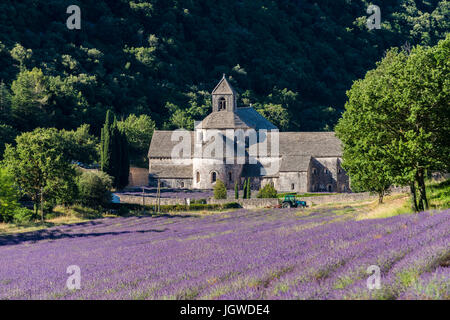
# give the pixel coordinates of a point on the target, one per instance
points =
(306, 161)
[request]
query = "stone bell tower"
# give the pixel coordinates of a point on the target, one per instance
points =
(224, 97)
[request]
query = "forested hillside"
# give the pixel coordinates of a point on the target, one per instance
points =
(293, 60)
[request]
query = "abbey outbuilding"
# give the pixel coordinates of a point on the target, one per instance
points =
(304, 161)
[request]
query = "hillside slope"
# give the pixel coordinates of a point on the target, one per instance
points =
(163, 57)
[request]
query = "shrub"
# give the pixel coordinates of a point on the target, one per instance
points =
(94, 189)
(268, 191)
(23, 215)
(220, 191)
(231, 205)
(236, 191)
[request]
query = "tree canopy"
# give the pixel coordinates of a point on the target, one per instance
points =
(295, 59)
(397, 121)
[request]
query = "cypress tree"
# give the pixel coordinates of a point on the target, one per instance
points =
(106, 143)
(236, 190)
(249, 189)
(114, 152)
(124, 160)
(244, 190)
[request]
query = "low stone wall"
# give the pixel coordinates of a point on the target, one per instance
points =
(148, 201)
(247, 203)
(255, 202)
(341, 197)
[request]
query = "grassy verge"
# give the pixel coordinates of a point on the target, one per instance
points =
(59, 216)
(77, 214)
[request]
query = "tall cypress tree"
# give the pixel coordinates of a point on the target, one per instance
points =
(249, 189)
(236, 190)
(124, 160)
(244, 190)
(106, 143)
(114, 152)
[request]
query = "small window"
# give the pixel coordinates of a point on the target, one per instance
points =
(339, 170)
(325, 171)
(314, 171)
(222, 104)
(197, 178)
(292, 186)
(182, 184)
(230, 176)
(330, 188)
(213, 177)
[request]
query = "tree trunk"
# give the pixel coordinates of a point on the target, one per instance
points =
(412, 187)
(380, 197)
(422, 189)
(42, 205)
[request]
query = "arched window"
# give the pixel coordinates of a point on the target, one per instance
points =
(197, 178)
(292, 186)
(339, 170)
(330, 188)
(213, 177)
(325, 171)
(230, 176)
(182, 184)
(222, 104)
(314, 171)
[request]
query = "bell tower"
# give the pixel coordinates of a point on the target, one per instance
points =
(224, 97)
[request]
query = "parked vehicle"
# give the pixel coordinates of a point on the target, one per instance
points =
(291, 202)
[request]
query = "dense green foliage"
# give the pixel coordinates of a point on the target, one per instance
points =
(268, 191)
(41, 168)
(248, 194)
(114, 152)
(9, 196)
(236, 190)
(396, 126)
(440, 195)
(292, 59)
(139, 131)
(94, 189)
(220, 190)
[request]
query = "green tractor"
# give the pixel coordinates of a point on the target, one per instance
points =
(290, 202)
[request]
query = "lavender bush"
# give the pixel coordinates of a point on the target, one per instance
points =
(265, 254)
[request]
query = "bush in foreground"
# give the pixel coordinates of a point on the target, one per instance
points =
(268, 191)
(220, 191)
(94, 189)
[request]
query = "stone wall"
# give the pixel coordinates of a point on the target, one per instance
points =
(171, 183)
(247, 203)
(149, 201)
(336, 198)
(293, 182)
(138, 177)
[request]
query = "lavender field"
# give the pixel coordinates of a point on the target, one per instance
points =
(265, 254)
